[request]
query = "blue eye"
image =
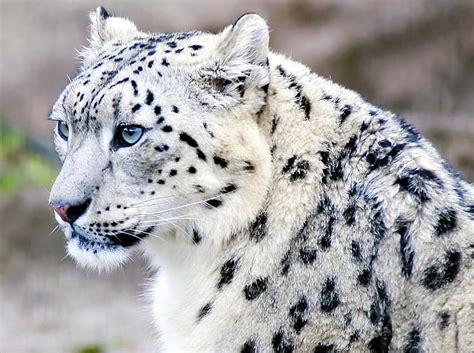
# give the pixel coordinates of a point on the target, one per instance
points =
(63, 130)
(128, 135)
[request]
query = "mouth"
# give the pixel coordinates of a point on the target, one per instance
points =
(124, 239)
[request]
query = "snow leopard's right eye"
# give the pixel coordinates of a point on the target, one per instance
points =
(63, 130)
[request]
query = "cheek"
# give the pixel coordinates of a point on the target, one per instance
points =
(138, 164)
(61, 148)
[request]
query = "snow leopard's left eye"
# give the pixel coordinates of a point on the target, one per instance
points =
(128, 135)
(63, 130)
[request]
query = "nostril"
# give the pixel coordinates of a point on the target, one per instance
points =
(70, 213)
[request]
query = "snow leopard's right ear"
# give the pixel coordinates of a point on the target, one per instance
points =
(246, 41)
(240, 60)
(105, 28)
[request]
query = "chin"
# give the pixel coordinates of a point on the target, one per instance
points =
(97, 256)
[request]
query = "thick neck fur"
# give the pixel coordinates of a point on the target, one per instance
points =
(294, 92)
(275, 208)
(323, 142)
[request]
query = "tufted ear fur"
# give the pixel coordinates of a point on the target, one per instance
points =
(246, 41)
(106, 28)
(242, 54)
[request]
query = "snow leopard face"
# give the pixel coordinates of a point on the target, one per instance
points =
(158, 134)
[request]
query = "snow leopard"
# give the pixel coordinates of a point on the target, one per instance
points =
(280, 211)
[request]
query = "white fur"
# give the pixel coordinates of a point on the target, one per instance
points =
(283, 135)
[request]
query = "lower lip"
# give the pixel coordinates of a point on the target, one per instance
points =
(88, 244)
(118, 240)
(127, 240)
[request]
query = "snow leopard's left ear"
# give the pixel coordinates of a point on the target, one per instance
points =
(105, 28)
(243, 51)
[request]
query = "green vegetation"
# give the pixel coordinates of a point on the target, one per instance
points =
(116, 344)
(20, 167)
(90, 348)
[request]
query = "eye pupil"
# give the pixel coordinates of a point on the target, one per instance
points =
(128, 135)
(63, 130)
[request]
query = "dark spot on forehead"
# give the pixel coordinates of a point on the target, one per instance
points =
(201, 154)
(119, 82)
(136, 107)
(149, 97)
(188, 139)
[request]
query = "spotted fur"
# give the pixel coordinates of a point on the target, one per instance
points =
(283, 211)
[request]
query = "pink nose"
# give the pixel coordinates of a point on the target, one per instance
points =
(69, 213)
(62, 212)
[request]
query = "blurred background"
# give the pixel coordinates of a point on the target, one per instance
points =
(413, 57)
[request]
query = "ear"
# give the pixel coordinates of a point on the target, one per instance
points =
(105, 28)
(246, 41)
(242, 53)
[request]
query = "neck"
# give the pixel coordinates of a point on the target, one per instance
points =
(303, 128)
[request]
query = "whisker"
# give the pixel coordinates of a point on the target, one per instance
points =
(155, 235)
(64, 258)
(188, 205)
(135, 235)
(182, 229)
(124, 232)
(162, 197)
(154, 221)
(183, 217)
(54, 229)
(140, 204)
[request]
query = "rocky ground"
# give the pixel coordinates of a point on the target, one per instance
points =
(413, 57)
